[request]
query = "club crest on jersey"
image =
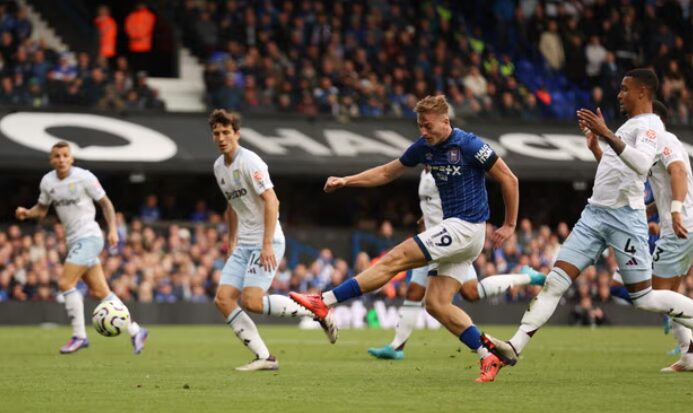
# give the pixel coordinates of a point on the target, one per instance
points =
(429, 156)
(454, 155)
(72, 187)
(237, 175)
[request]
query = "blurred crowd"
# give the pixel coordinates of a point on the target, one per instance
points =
(175, 263)
(369, 59)
(34, 75)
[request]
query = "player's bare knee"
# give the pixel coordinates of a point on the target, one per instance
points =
(434, 307)
(64, 284)
(415, 292)
(469, 292)
(224, 303)
(251, 303)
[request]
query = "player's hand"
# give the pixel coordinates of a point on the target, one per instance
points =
(112, 238)
(501, 235)
(267, 259)
(591, 140)
(21, 213)
(592, 121)
(333, 183)
(677, 222)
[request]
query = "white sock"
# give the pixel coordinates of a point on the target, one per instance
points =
(133, 327)
(542, 307)
(683, 336)
(246, 331)
(282, 306)
(677, 306)
(112, 297)
(482, 352)
(498, 284)
(408, 316)
(329, 298)
(74, 305)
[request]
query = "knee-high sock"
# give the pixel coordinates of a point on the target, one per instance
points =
(683, 336)
(282, 306)
(74, 305)
(133, 327)
(408, 316)
(246, 331)
(541, 308)
(677, 306)
(499, 284)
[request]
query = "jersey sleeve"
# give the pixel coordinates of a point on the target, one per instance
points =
(646, 142)
(44, 195)
(258, 171)
(672, 152)
(412, 156)
(480, 152)
(93, 187)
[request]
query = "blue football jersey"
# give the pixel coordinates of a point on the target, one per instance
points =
(458, 165)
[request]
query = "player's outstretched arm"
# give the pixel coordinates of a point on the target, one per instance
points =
(37, 211)
(110, 216)
(380, 175)
(510, 187)
(679, 190)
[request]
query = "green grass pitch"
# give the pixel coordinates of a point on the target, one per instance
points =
(190, 369)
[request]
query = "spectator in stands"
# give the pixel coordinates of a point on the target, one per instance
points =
(23, 27)
(107, 30)
(139, 27)
(150, 210)
(596, 56)
(551, 46)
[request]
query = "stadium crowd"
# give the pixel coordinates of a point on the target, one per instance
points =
(34, 75)
(369, 59)
(171, 263)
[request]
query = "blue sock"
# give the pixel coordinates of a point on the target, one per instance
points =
(471, 337)
(347, 290)
(620, 292)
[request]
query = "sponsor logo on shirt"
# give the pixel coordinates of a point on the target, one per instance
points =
(447, 169)
(235, 194)
(483, 154)
(66, 202)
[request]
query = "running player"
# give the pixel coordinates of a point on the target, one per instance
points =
(472, 289)
(615, 217)
(72, 191)
(459, 161)
(256, 240)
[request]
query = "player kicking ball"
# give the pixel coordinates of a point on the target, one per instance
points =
(472, 290)
(458, 161)
(256, 241)
(72, 191)
(614, 217)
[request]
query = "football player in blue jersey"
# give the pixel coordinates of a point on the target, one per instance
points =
(459, 161)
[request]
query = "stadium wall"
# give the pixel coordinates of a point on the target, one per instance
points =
(357, 314)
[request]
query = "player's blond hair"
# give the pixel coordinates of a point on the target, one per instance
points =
(225, 118)
(432, 104)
